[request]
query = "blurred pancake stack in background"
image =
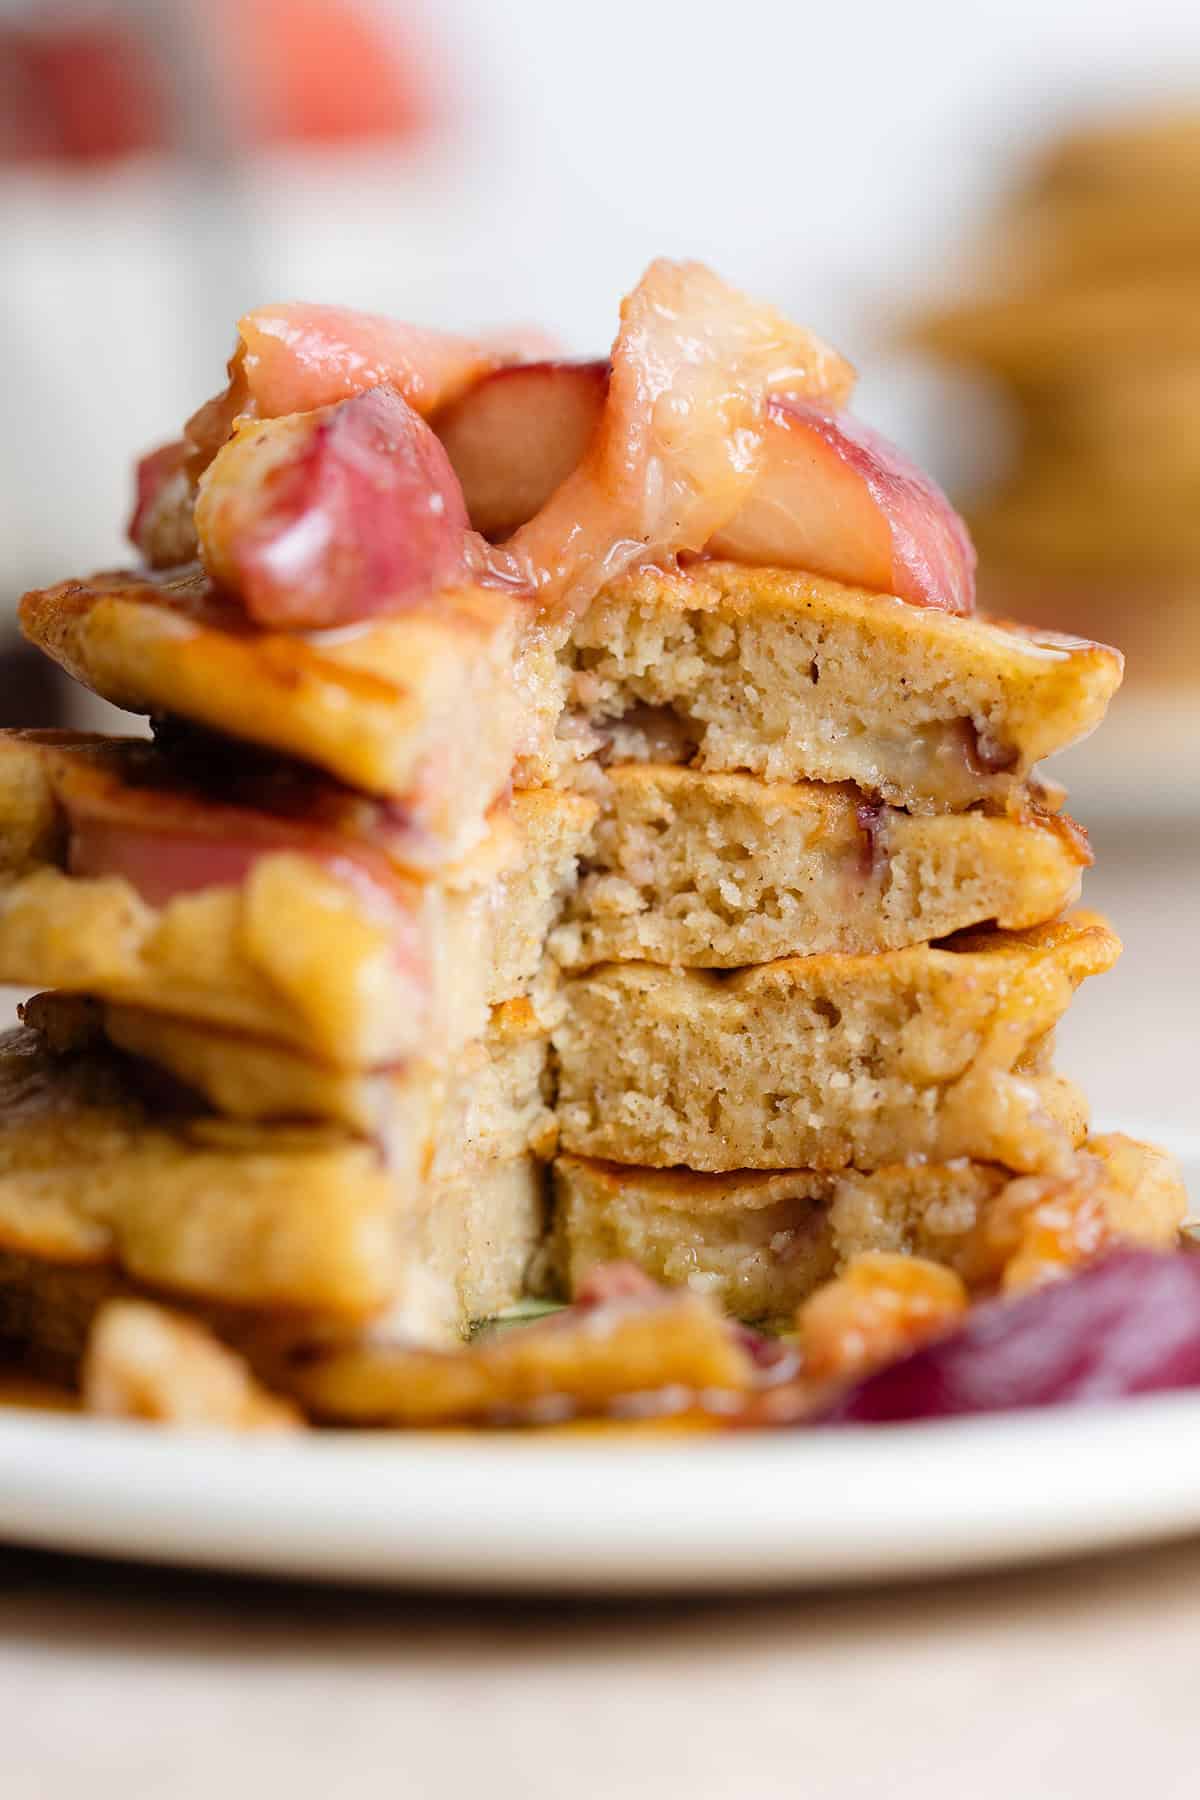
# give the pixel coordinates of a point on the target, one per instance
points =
(1091, 329)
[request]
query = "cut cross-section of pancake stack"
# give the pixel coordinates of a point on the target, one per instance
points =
(831, 984)
(667, 880)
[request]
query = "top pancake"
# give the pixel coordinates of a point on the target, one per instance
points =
(418, 707)
(795, 678)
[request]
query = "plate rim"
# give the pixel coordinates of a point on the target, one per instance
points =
(818, 1507)
(573, 1514)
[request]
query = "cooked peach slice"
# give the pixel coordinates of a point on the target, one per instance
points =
(830, 496)
(166, 842)
(323, 518)
(679, 442)
(164, 495)
(299, 357)
(516, 436)
(834, 498)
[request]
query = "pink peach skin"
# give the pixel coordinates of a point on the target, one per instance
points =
(154, 472)
(322, 519)
(160, 864)
(300, 356)
(835, 498)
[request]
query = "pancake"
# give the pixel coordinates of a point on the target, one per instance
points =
(720, 871)
(493, 1087)
(91, 1176)
(466, 1261)
(462, 1145)
(515, 914)
(295, 952)
(1074, 331)
(480, 1231)
(830, 1061)
(760, 1243)
(383, 706)
(794, 678)
(100, 1176)
(289, 954)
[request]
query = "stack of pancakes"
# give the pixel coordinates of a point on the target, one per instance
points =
(418, 967)
(1090, 328)
(792, 1030)
(294, 1022)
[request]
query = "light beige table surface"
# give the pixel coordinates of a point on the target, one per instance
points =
(1080, 1682)
(1132, 1038)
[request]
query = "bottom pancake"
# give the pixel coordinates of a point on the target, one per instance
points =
(761, 1243)
(463, 1258)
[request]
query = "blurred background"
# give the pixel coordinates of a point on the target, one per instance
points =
(994, 210)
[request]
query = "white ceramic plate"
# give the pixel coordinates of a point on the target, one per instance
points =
(607, 1515)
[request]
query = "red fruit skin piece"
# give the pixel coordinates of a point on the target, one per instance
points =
(154, 472)
(162, 864)
(169, 840)
(364, 515)
(1127, 1325)
(837, 499)
(933, 558)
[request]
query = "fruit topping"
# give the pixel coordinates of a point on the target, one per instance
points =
(713, 429)
(834, 498)
(829, 496)
(324, 518)
(300, 357)
(161, 525)
(147, 1362)
(1127, 1325)
(1040, 1227)
(166, 841)
(680, 440)
(630, 1346)
(517, 435)
(878, 1308)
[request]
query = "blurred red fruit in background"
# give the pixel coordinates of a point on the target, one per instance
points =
(321, 71)
(88, 86)
(79, 91)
